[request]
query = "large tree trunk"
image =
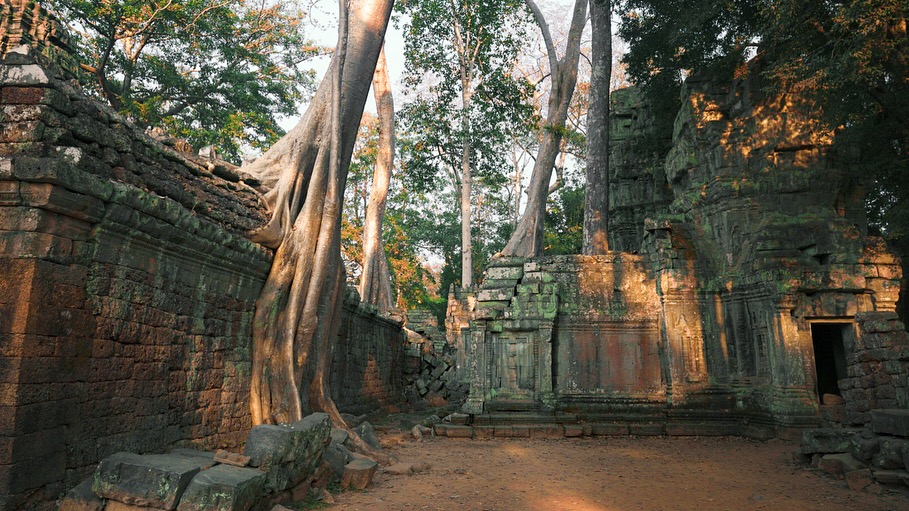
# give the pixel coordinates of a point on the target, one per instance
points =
(596, 197)
(527, 239)
(297, 314)
(375, 282)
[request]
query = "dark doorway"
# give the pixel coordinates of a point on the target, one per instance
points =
(829, 355)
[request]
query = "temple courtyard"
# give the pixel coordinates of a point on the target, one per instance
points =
(635, 473)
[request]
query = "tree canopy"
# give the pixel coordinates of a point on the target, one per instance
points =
(212, 73)
(463, 99)
(851, 58)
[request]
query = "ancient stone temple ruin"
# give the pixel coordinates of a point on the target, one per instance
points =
(739, 298)
(743, 296)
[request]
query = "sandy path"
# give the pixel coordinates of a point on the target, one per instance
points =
(610, 474)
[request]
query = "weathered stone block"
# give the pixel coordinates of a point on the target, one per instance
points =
(455, 431)
(827, 440)
(864, 447)
(337, 456)
(368, 434)
(82, 498)
(156, 480)
(287, 453)
(495, 295)
(839, 463)
(358, 474)
(223, 488)
(892, 453)
(890, 422)
(504, 272)
(859, 479)
(574, 430)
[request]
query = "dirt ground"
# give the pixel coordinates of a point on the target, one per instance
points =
(608, 474)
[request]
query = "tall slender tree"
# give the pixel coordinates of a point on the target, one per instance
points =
(596, 198)
(527, 239)
(298, 311)
(375, 282)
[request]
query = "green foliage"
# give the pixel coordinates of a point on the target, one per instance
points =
(413, 284)
(210, 72)
(564, 222)
(850, 58)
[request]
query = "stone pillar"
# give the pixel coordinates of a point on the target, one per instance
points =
(544, 390)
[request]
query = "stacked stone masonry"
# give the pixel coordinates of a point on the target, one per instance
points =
(129, 288)
(740, 294)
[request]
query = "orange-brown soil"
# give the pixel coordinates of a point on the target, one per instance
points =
(608, 474)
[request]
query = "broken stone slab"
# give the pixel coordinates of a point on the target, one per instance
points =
(82, 498)
(288, 453)
(890, 422)
(151, 480)
(399, 469)
(368, 434)
(223, 488)
(419, 431)
(837, 464)
(358, 474)
(865, 446)
(337, 456)
(892, 454)
(339, 436)
(231, 458)
(827, 440)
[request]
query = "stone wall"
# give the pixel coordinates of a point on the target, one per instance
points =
(367, 370)
(126, 323)
(877, 367)
(128, 286)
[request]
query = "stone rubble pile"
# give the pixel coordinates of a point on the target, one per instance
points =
(429, 377)
(429, 367)
(866, 458)
(287, 462)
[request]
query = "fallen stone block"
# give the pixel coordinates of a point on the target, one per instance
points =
(419, 431)
(223, 488)
(399, 469)
(82, 498)
(358, 474)
(337, 456)
(859, 479)
(890, 422)
(827, 440)
(288, 453)
(837, 464)
(151, 480)
(865, 446)
(368, 434)
(892, 454)
(339, 436)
